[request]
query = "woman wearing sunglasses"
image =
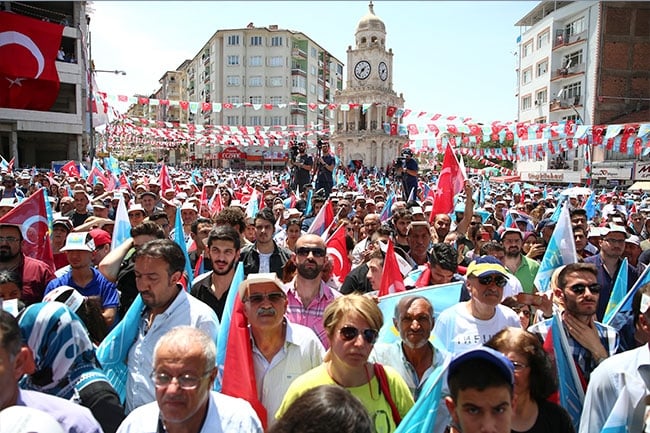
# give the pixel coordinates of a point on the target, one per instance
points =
(535, 381)
(352, 324)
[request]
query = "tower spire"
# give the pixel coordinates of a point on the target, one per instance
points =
(370, 6)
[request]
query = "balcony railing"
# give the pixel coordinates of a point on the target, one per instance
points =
(568, 72)
(566, 40)
(299, 90)
(297, 52)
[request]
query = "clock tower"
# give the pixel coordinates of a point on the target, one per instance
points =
(360, 119)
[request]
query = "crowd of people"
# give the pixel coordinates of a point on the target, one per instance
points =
(125, 339)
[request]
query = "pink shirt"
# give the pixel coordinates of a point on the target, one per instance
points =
(310, 316)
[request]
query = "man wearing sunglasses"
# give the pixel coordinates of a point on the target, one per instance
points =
(470, 324)
(282, 350)
(590, 341)
(307, 294)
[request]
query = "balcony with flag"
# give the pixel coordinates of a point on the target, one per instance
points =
(42, 108)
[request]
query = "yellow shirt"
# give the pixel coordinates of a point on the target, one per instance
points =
(369, 394)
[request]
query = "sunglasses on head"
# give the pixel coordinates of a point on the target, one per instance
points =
(317, 252)
(499, 280)
(349, 333)
(579, 289)
(258, 298)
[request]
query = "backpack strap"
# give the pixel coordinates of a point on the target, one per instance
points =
(385, 389)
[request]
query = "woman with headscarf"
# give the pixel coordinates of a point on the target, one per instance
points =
(65, 362)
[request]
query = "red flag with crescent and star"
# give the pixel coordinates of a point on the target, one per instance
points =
(450, 182)
(28, 50)
(336, 248)
(31, 215)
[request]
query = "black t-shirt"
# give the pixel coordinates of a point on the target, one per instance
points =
(324, 175)
(204, 294)
(551, 419)
(104, 404)
(78, 218)
(303, 175)
(357, 281)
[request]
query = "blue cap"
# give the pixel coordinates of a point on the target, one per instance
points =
(496, 358)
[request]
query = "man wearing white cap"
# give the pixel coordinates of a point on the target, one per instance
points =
(472, 323)
(80, 248)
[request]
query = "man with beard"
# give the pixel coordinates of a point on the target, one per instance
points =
(264, 255)
(608, 262)
(517, 263)
(307, 294)
(35, 273)
(401, 220)
(282, 350)
(222, 250)
(84, 278)
(590, 342)
(199, 232)
(159, 266)
(80, 212)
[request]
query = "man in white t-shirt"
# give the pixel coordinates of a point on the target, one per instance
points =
(472, 323)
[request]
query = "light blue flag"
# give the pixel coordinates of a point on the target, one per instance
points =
(556, 215)
(626, 304)
(618, 292)
(310, 194)
(561, 250)
(224, 328)
(253, 205)
(422, 416)
(483, 214)
(590, 205)
(179, 238)
(385, 212)
(620, 418)
(122, 228)
(441, 296)
(48, 210)
(83, 172)
(572, 395)
(516, 188)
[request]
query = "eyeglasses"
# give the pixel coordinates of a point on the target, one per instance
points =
(186, 381)
(499, 280)
(579, 289)
(518, 365)
(9, 239)
(317, 252)
(258, 298)
(349, 333)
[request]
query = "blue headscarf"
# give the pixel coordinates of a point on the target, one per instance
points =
(63, 353)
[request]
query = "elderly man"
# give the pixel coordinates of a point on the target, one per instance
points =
(307, 294)
(15, 361)
(371, 223)
(183, 374)
(159, 265)
(470, 324)
(590, 342)
(282, 350)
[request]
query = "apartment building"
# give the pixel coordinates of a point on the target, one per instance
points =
(36, 138)
(588, 62)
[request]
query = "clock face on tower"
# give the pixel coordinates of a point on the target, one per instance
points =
(362, 70)
(383, 71)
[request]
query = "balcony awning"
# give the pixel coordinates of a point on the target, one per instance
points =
(505, 179)
(640, 185)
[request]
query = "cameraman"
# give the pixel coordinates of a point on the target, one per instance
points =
(408, 169)
(325, 163)
(302, 165)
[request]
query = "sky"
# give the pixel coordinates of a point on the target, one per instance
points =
(454, 58)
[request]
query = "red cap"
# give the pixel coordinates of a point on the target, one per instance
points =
(101, 237)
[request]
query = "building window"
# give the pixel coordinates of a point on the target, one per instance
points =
(298, 81)
(572, 90)
(276, 61)
(255, 120)
(232, 60)
(233, 80)
(275, 100)
(233, 40)
(528, 49)
(541, 97)
(313, 70)
(573, 117)
(314, 52)
(543, 39)
(232, 120)
(572, 59)
(255, 99)
(540, 120)
(339, 70)
(312, 89)
(233, 99)
(527, 76)
(255, 81)
(255, 61)
(526, 103)
(276, 41)
(542, 67)
(276, 120)
(575, 27)
(256, 40)
(275, 82)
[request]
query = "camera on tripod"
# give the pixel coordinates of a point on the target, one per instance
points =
(294, 150)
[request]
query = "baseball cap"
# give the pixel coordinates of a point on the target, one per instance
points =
(79, 241)
(512, 230)
(546, 222)
(136, 208)
(486, 265)
(633, 239)
(23, 419)
(497, 359)
(65, 222)
(152, 194)
(261, 278)
(614, 228)
(101, 237)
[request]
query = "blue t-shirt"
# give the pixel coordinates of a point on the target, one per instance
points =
(99, 286)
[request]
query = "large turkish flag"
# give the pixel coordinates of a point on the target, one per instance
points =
(28, 49)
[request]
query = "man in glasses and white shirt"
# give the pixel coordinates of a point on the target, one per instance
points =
(590, 341)
(183, 374)
(470, 324)
(307, 294)
(282, 350)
